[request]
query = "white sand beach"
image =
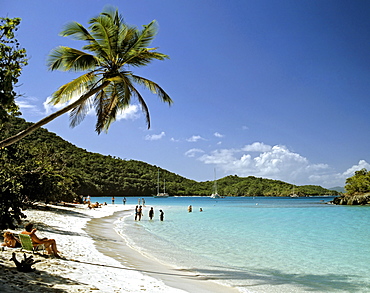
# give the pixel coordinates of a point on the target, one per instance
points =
(94, 258)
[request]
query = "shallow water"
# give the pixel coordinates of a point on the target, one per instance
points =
(259, 244)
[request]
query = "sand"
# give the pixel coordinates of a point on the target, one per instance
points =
(95, 258)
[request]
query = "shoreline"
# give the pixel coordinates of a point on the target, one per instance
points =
(116, 248)
(94, 258)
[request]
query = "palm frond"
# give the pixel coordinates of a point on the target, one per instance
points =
(105, 31)
(76, 87)
(127, 38)
(76, 31)
(145, 57)
(142, 103)
(78, 114)
(124, 92)
(148, 34)
(118, 98)
(153, 87)
(106, 108)
(138, 40)
(69, 59)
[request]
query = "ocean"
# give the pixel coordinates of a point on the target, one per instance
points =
(259, 244)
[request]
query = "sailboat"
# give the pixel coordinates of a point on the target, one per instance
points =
(294, 194)
(215, 194)
(161, 194)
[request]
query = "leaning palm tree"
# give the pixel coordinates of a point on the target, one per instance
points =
(112, 49)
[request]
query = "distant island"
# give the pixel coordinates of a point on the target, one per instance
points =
(338, 188)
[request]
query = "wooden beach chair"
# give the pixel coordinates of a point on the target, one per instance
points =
(28, 245)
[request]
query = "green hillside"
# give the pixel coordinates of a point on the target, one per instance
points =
(86, 173)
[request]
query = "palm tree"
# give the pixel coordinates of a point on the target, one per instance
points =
(112, 49)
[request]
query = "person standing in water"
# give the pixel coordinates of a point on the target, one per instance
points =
(124, 200)
(161, 215)
(151, 213)
(136, 212)
(139, 213)
(112, 199)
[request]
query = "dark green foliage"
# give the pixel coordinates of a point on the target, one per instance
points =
(356, 199)
(11, 199)
(358, 189)
(358, 183)
(253, 186)
(12, 59)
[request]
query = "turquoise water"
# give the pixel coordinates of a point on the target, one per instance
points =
(260, 244)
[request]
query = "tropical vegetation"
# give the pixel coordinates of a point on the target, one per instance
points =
(12, 60)
(357, 189)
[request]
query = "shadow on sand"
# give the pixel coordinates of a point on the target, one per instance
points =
(12, 281)
(46, 228)
(306, 282)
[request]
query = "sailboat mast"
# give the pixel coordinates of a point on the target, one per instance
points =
(215, 182)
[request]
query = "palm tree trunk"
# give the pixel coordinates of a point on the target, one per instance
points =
(13, 139)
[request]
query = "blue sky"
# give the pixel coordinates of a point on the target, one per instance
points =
(272, 89)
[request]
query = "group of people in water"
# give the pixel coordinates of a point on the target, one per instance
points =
(139, 213)
(138, 208)
(190, 209)
(11, 241)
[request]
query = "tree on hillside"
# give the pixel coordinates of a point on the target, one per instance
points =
(112, 49)
(12, 59)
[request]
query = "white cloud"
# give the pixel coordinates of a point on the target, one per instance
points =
(132, 112)
(221, 157)
(256, 147)
(195, 138)
(192, 152)
(28, 105)
(155, 136)
(275, 162)
(219, 135)
(279, 163)
(361, 165)
(339, 179)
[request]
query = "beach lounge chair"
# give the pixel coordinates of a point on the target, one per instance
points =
(27, 244)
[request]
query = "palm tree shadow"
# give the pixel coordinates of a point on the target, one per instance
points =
(42, 227)
(38, 281)
(307, 282)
